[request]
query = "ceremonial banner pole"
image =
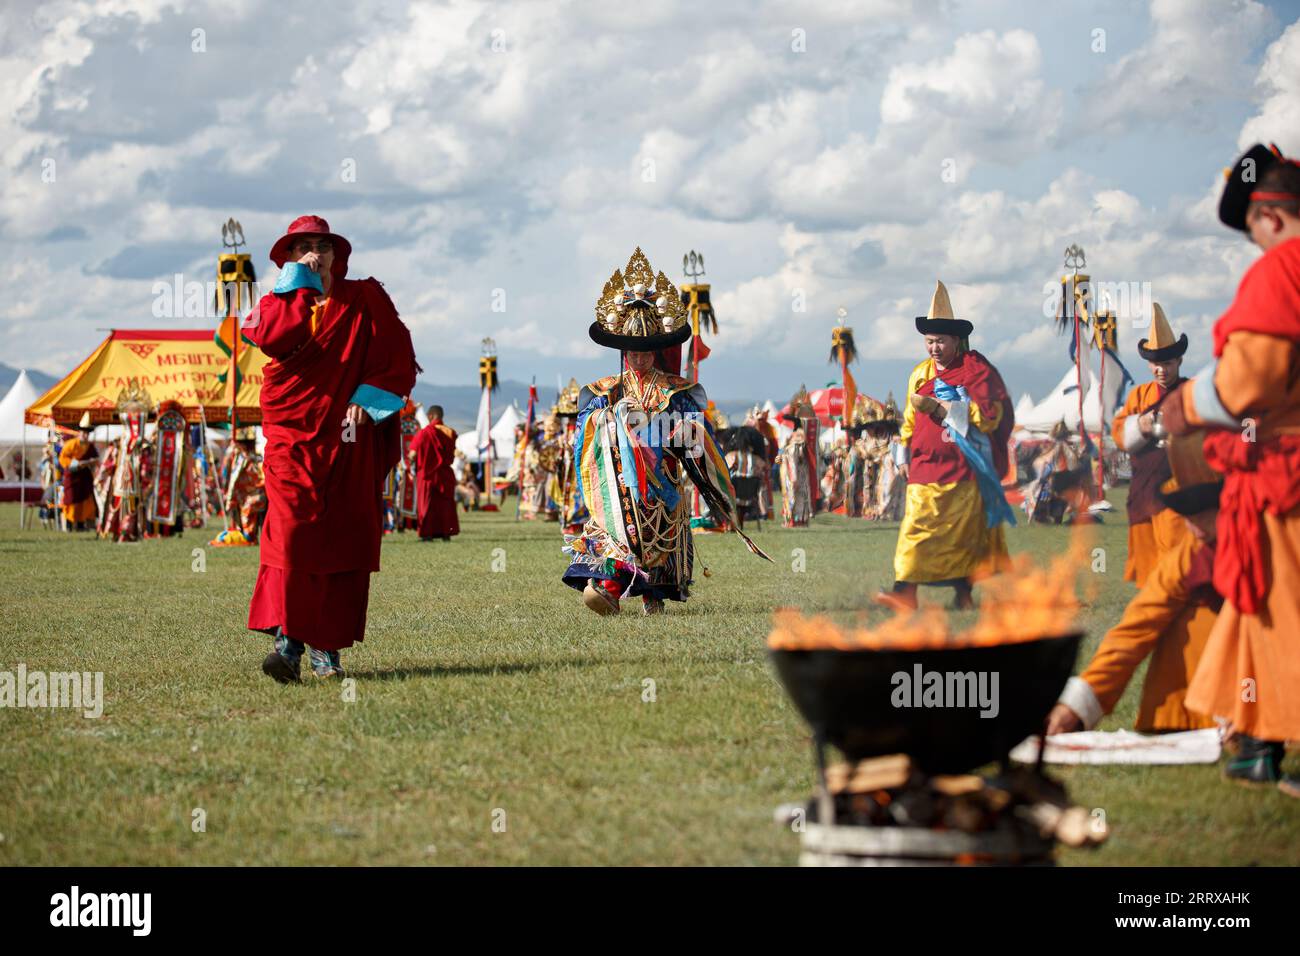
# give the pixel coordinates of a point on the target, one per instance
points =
(234, 271)
(845, 351)
(521, 451)
(1072, 299)
(22, 483)
(695, 296)
(487, 374)
(1103, 328)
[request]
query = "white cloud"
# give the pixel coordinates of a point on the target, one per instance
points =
(1197, 54)
(520, 166)
(1278, 81)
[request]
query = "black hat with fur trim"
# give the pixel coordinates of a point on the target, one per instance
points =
(1241, 184)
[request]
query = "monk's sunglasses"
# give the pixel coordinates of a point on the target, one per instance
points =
(303, 246)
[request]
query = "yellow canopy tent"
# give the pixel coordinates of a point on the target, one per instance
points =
(178, 364)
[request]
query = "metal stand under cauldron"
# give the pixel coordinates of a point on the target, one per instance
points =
(831, 838)
(904, 795)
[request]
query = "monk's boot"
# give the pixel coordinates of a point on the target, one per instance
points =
(325, 664)
(963, 600)
(1255, 762)
(597, 598)
(284, 664)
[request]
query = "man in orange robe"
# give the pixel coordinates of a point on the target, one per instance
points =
(1169, 619)
(1250, 398)
(78, 458)
(341, 367)
(1152, 528)
(433, 451)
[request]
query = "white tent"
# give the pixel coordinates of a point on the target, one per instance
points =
(503, 441)
(21, 394)
(1062, 404)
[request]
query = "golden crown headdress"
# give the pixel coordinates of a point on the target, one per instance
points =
(638, 304)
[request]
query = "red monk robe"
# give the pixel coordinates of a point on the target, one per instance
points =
(324, 483)
(1250, 671)
(434, 449)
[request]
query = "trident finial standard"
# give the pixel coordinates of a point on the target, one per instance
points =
(693, 265)
(232, 234)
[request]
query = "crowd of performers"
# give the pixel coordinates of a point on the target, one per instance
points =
(154, 480)
(620, 463)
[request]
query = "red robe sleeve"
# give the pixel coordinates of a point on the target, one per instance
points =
(282, 322)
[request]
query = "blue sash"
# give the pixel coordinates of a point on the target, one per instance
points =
(977, 449)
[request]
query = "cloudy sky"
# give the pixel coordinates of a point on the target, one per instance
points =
(822, 154)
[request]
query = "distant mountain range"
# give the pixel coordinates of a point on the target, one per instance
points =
(459, 402)
(10, 375)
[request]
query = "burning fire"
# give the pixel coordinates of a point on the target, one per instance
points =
(1027, 603)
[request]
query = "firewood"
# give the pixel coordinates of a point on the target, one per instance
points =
(876, 773)
(1073, 827)
(965, 814)
(955, 786)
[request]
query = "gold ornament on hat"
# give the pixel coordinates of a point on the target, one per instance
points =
(636, 301)
(134, 399)
(567, 404)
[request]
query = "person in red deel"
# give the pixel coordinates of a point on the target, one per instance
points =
(342, 365)
(433, 450)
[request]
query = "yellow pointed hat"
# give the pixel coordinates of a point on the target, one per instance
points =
(1162, 346)
(939, 320)
(84, 424)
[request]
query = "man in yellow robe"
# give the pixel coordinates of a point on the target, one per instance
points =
(953, 454)
(1152, 528)
(78, 458)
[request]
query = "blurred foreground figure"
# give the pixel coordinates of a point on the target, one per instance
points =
(341, 367)
(1250, 399)
(1170, 619)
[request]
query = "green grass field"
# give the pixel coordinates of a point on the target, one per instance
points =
(482, 697)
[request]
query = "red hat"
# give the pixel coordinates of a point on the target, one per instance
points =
(313, 226)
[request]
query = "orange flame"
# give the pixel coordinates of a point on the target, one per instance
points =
(1027, 603)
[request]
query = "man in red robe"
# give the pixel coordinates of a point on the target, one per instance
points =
(1249, 672)
(341, 366)
(433, 451)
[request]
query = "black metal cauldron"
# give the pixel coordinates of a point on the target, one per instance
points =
(850, 698)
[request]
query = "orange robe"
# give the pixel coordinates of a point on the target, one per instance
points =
(1152, 529)
(79, 484)
(1250, 671)
(1168, 619)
